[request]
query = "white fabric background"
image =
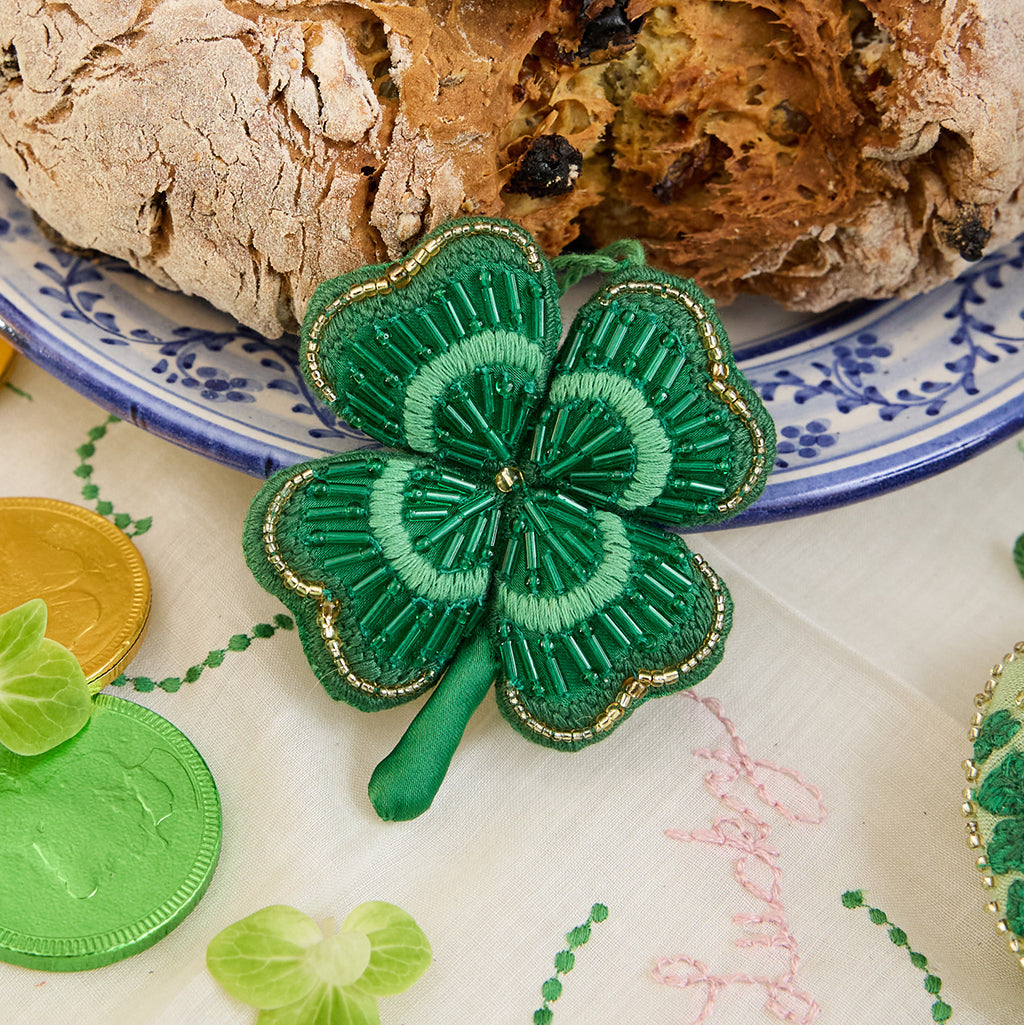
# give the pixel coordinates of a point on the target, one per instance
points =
(861, 636)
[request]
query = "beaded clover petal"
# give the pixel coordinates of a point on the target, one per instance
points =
(510, 531)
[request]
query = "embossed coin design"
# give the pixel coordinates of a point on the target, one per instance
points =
(108, 840)
(89, 573)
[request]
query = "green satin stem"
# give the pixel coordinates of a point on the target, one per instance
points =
(404, 784)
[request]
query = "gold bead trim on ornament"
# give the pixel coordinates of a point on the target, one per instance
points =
(397, 276)
(717, 369)
(634, 688)
(968, 809)
(327, 612)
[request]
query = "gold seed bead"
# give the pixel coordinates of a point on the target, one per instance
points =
(978, 718)
(988, 882)
(1014, 945)
(1002, 926)
(967, 808)
(992, 907)
(974, 841)
(973, 733)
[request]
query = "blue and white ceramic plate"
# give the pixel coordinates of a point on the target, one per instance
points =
(866, 398)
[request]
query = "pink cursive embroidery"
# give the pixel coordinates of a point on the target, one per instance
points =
(756, 868)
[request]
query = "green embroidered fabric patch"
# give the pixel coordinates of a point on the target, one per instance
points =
(994, 798)
(512, 529)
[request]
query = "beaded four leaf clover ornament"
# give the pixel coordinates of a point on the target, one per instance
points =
(510, 532)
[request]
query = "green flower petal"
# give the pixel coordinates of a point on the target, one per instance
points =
(400, 952)
(44, 699)
(263, 960)
(326, 1005)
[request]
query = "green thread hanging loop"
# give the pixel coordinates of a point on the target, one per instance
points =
(571, 268)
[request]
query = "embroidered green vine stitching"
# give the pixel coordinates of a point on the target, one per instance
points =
(17, 391)
(564, 962)
(941, 1011)
(91, 491)
(239, 642)
(1018, 555)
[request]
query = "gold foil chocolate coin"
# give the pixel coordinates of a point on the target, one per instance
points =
(7, 355)
(88, 572)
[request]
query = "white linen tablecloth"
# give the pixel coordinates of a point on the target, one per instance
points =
(860, 638)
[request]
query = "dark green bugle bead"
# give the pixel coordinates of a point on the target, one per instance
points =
(650, 370)
(459, 292)
(597, 650)
(628, 624)
(487, 391)
(577, 655)
(453, 316)
(508, 656)
(414, 635)
(398, 622)
(554, 670)
(451, 553)
(490, 300)
(380, 608)
(618, 335)
(511, 288)
(676, 578)
(410, 338)
(527, 668)
(355, 538)
(431, 332)
(393, 352)
(356, 557)
(638, 347)
(551, 569)
(613, 629)
(616, 455)
(371, 580)
(535, 304)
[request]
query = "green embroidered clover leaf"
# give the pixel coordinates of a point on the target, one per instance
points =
(1002, 794)
(279, 961)
(997, 730)
(512, 530)
(44, 699)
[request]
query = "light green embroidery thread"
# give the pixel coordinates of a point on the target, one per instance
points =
(651, 443)
(17, 391)
(548, 613)
(239, 642)
(91, 492)
(415, 570)
(426, 390)
(941, 1011)
(565, 960)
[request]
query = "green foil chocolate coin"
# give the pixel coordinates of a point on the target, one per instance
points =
(107, 841)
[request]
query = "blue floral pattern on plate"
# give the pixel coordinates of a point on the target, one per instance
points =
(866, 398)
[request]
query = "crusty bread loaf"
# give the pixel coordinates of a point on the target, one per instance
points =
(244, 150)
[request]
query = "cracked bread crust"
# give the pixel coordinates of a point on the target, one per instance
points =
(245, 150)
